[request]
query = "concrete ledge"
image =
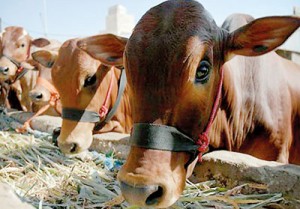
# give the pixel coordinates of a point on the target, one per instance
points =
(43, 123)
(107, 142)
(236, 168)
(46, 123)
(111, 142)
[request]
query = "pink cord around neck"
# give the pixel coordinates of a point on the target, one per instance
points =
(203, 140)
(104, 109)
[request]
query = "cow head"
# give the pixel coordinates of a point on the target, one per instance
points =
(44, 89)
(16, 46)
(82, 73)
(173, 60)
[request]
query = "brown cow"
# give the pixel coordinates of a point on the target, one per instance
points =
(86, 75)
(17, 46)
(44, 93)
(174, 61)
(268, 114)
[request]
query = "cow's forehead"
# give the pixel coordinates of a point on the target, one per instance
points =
(14, 34)
(68, 46)
(23, 34)
(67, 53)
(169, 26)
(73, 62)
(178, 16)
(167, 34)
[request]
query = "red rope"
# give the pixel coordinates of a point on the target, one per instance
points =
(26, 125)
(203, 140)
(49, 86)
(19, 70)
(52, 103)
(104, 109)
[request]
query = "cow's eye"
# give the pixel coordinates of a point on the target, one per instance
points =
(90, 80)
(22, 45)
(202, 72)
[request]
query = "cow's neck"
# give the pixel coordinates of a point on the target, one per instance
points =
(245, 95)
(28, 81)
(124, 108)
(116, 77)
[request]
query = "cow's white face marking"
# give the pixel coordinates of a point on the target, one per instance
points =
(24, 33)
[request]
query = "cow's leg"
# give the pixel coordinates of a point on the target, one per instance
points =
(24, 104)
(283, 155)
(284, 137)
(284, 147)
(4, 98)
(295, 146)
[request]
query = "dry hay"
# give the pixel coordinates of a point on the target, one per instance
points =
(45, 178)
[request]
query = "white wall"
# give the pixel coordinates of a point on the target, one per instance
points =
(119, 22)
(293, 43)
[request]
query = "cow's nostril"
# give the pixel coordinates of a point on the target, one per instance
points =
(55, 135)
(73, 147)
(4, 70)
(142, 195)
(39, 96)
(155, 196)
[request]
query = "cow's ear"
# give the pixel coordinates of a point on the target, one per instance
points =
(261, 35)
(40, 42)
(35, 64)
(44, 57)
(106, 48)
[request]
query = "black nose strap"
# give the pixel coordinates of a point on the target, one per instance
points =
(161, 137)
(80, 115)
